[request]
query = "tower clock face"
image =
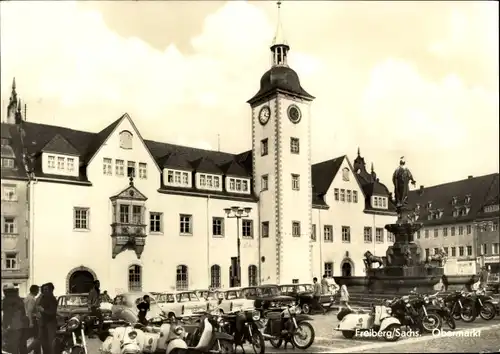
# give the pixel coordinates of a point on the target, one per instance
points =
(264, 115)
(294, 114)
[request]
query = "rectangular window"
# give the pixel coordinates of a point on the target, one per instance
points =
(9, 225)
(390, 236)
(155, 222)
(445, 231)
(131, 169)
(11, 260)
(264, 147)
(453, 231)
(329, 269)
(294, 145)
(426, 232)
(218, 227)
(9, 192)
(346, 234)
(186, 224)
(469, 229)
(119, 168)
(60, 163)
(453, 251)
(264, 183)
(124, 214)
(379, 235)
(495, 248)
(247, 228)
(494, 227)
(136, 214)
(51, 161)
(216, 181)
(178, 178)
(342, 195)
(81, 218)
(107, 166)
(336, 194)
(484, 249)
(461, 251)
(295, 182)
(295, 228)
(238, 185)
(436, 233)
(367, 234)
(460, 230)
(143, 170)
(313, 232)
(70, 164)
(265, 229)
(328, 233)
(354, 196)
(469, 250)
(348, 196)
(427, 253)
(7, 162)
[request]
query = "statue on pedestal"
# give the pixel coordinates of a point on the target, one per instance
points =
(401, 178)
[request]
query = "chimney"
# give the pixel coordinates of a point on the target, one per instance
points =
(421, 190)
(470, 177)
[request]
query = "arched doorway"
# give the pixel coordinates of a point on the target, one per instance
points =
(347, 269)
(80, 280)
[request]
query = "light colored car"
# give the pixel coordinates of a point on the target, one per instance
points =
(181, 303)
(209, 296)
(125, 307)
(232, 299)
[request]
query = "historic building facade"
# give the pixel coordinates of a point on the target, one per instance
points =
(141, 214)
(15, 192)
(451, 214)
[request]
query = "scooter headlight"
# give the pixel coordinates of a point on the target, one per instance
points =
(178, 330)
(388, 310)
(132, 335)
(73, 324)
(256, 315)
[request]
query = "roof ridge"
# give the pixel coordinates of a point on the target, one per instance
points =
(457, 181)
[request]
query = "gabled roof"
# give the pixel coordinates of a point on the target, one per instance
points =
(176, 161)
(60, 145)
(13, 150)
(129, 193)
(5, 130)
(323, 174)
(441, 197)
(100, 138)
(233, 169)
(205, 165)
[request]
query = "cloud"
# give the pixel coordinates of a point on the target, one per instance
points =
(421, 91)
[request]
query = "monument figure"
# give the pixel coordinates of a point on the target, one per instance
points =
(401, 178)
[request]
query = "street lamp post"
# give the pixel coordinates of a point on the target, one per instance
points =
(237, 213)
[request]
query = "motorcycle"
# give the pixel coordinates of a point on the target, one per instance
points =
(70, 337)
(461, 306)
(380, 320)
(288, 325)
(442, 310)
(429, 314)
(242, 325)
(402, 309)
(484, 305)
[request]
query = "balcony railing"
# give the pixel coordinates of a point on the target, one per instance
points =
(119, 229)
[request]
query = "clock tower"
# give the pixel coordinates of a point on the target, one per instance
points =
(281, 148)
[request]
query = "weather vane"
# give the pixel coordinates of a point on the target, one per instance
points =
(279, 4)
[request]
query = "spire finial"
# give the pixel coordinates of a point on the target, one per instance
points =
(279, 37)
(19, 105)
(14, 84)
(359, 152)
(372, 168)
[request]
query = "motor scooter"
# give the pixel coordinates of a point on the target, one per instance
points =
(70, 337)
(379, 320)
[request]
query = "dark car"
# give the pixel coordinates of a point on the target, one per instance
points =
(266, 296)
(303, 293)
(77, 304)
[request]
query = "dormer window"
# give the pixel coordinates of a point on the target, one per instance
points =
(345, 174)
(7, 162)
(491, 208)
(5, 141)
(175, 178)
(60, 164)
(417, 206)
(465, 211)
(126, 140)
(379, 202)
(454, 201)
(455, 212)
(439, 214)
(208, 181)
(429, 216)
(237, 185)
(467, 199)
(429, 205)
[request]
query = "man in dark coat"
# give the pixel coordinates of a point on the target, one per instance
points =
(47, 306)
(94, 302)
(15, 322)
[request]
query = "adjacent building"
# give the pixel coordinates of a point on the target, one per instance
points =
(14, 211)
(453, 215)
(142, 214)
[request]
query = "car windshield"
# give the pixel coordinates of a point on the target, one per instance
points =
(165, 298)
(304, 287)
(75, 300)
(187, 297)
(268, 291)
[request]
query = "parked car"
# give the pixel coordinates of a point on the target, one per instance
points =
(303, 294)
(210, 296)
(232, 299)
(181, 303)
(266, 296)
(125, 307)
(77, 304)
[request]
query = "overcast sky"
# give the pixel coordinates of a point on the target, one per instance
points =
(418, 79)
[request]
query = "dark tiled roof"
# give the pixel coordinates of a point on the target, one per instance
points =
(233, 168)
(442, 195)
(323, 173)
(492, 198)
(206, 165)
(18, 172)
(175, 161)
(60, 145)
(280, 78)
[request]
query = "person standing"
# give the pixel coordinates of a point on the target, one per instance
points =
(143, 308)
(317, 296)
(47, 306)
(444, 281)
(344, 298)
(30, 308)
(14, 322)
(483, 278)
(324, 284)
(94, 302)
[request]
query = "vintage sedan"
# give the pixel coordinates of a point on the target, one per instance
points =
(125, 307)
(303, 294)
(181, 303)
(77, 304)
(232, 299)
(210, 296)
(266, 296)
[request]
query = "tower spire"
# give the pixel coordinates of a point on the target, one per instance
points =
(359, 152)
(279, 46)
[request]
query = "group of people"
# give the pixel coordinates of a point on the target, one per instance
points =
(477, 281)
(329, 286)
(34, 317)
